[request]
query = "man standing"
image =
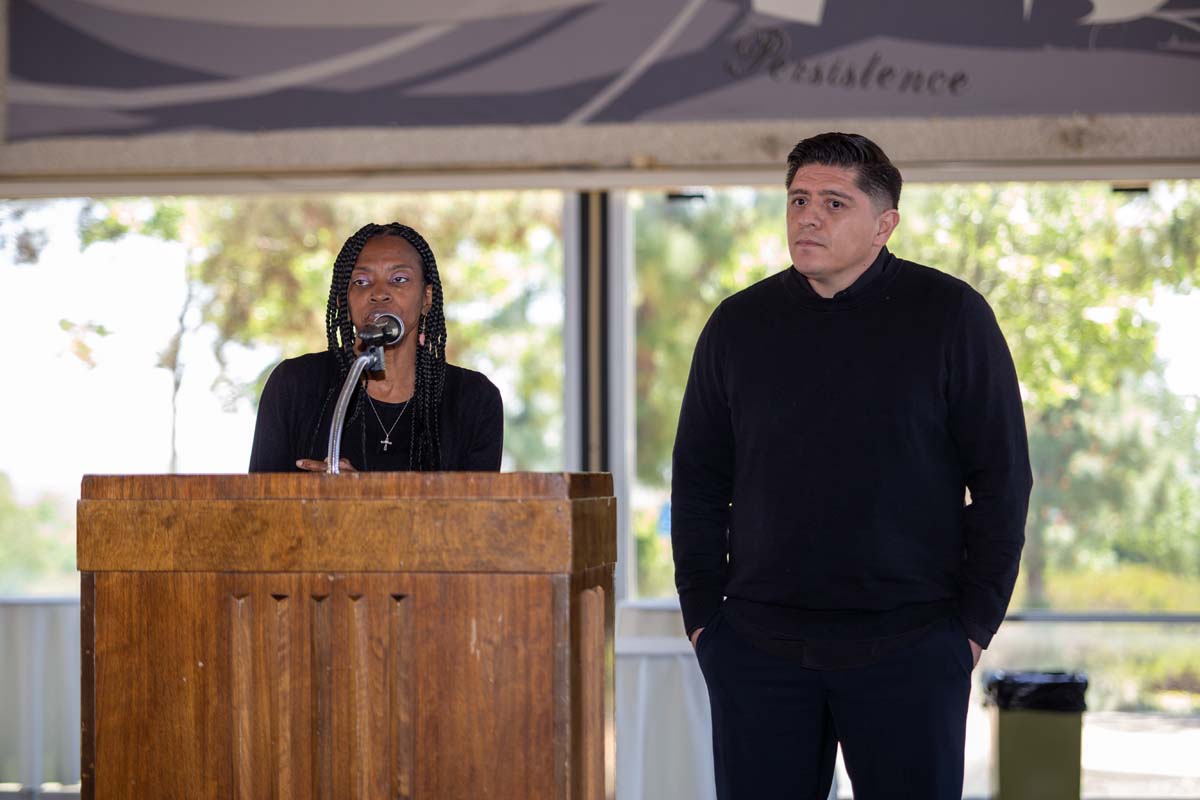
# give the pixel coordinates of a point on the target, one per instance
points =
(835, 583)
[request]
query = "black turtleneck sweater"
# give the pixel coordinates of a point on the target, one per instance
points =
(823, 453)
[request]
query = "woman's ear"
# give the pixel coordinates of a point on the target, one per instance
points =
(428, 305)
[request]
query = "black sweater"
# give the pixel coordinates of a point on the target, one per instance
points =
(296, 410)
(824, 446)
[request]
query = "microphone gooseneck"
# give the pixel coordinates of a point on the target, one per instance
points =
(383, 330)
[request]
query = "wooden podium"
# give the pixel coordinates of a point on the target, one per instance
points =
(379, 635)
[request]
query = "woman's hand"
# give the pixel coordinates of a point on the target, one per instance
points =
(322, 465)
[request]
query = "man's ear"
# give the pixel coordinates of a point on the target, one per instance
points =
(885, 223)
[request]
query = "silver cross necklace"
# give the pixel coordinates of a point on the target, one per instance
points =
(386, 441)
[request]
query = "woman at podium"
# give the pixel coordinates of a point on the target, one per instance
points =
(419, 413)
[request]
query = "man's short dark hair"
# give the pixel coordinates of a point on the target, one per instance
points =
(878, 178)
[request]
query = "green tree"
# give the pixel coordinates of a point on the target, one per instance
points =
(35, 541)
(20, 235)
(690, 254)
(1129, 492)
(259, 274)
(1069, 269)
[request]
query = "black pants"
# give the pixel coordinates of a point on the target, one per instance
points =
(901, 721)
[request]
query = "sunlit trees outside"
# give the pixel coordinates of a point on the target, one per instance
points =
(1072, 272)
(255, 276)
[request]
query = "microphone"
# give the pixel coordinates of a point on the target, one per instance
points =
(385, 329)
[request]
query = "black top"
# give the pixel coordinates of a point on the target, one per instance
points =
(297, 405)
(823, 451)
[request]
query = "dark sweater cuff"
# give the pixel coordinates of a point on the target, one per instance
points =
(698, 609)
(976, 632)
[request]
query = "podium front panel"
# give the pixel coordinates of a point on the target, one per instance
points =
(214, 682)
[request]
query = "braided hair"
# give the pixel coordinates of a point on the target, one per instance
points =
(424, 453)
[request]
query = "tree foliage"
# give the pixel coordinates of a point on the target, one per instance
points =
(20, 236)
(1070, 270)
(259, 270)
(690, 254)
(34, 541)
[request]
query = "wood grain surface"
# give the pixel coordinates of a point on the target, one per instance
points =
(442, 535)
(235, 646)
(350, 485)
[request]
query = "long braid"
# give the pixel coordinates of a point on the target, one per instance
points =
(429, 380)
(339, 329)
(425, 447)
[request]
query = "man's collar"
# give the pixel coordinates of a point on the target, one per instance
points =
(860, 283)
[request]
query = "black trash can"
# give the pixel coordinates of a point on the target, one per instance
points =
(1037, 730)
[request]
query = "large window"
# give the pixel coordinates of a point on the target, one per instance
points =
(1093, 287)
(691, 250)
(139, 332)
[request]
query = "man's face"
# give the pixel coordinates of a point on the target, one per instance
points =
(388, 277)
(834, 231)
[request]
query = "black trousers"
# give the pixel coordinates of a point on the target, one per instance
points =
(901, 721)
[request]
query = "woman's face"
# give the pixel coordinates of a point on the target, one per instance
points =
(388, 277)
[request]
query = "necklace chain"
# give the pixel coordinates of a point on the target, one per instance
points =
(386, 441)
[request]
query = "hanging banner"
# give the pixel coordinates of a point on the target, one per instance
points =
(117, 68)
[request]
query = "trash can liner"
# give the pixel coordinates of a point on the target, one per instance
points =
(1036, 691)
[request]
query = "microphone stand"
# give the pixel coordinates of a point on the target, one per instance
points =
(385, 329)
(372, 359)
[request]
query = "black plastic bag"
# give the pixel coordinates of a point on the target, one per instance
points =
(1036, 691)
